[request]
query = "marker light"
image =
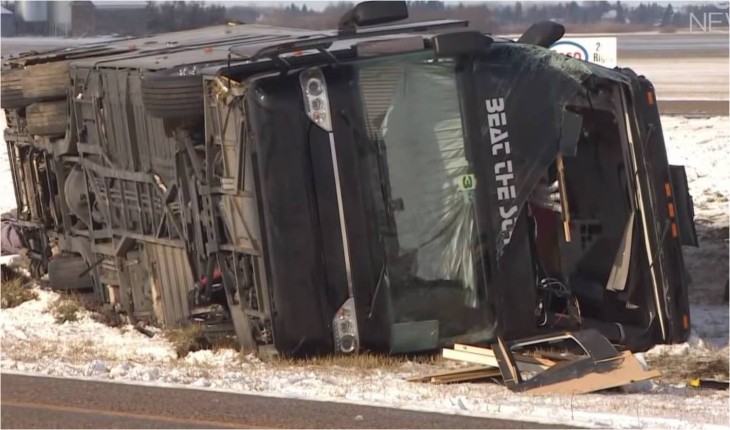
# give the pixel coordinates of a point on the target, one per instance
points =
(316, 104)
(344, 327)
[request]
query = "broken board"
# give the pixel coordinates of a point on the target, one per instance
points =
(485, 357)
(464, 374)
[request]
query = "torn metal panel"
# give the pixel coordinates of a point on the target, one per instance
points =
(170, 280)
(620, 270)
(602, 368)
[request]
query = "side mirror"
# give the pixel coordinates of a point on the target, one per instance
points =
(372, 13)
(459, 43)
(543, 33)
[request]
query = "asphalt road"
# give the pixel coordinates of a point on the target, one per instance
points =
(40, 402)
(684, 44)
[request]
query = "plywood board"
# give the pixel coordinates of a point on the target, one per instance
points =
(628, 371)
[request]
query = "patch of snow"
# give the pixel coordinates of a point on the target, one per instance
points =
(33, 343)
(32, 322)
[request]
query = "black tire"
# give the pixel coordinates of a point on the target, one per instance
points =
(172, 96)
(12, 90)
(47, 118)
(48, 81)
(64, 271)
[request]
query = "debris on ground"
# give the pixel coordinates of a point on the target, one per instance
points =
(680, 363)
(142, 328)
(714, 384)
(186, 339)
(599, 367)
(464, 374)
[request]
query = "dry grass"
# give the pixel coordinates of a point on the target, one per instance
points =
(66, 308)
(224, 342)
(705, 363)
(191, 338)
(364, 361)
(81, 350)
(105, 314)
(186, 339)
(13, 293)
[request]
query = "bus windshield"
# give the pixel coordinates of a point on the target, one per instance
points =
(411, 108)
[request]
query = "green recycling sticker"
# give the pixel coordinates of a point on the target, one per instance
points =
(467, 182)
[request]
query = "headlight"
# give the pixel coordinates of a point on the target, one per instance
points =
(314, 86)
(316, 104)
(344, 326)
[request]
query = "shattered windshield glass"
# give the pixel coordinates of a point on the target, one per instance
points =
(412, 108)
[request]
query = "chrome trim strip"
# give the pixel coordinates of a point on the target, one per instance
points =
(340, 207)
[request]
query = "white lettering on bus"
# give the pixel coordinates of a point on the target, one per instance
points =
(503, 175)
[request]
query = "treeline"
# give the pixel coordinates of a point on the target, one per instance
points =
(183, 15)
(582, 16)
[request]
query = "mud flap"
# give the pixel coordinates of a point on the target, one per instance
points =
(68, 272)
(684, 206)
(414, 336)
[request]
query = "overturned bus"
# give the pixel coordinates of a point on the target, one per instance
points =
(383, 187)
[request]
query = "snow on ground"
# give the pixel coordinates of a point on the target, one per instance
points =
(32, 342)
(702, 145)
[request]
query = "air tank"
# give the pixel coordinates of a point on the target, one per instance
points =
(32, 10)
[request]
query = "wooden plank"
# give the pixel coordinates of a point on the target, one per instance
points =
(558, 356)
(470, 357)
(474, 349)
(563, 197)
(489, 360)
(545, 362)
(518, 357)
(508, 364)
(446, 373)
(488, 372)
